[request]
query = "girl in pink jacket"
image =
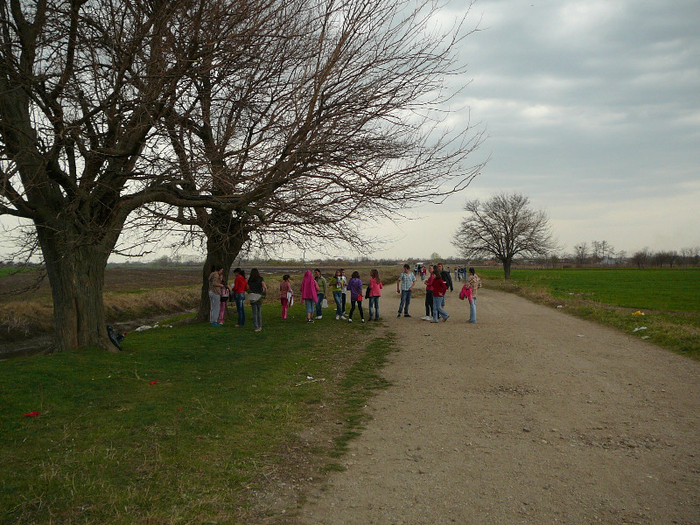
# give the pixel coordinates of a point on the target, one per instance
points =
(309, 294)
(375, 292)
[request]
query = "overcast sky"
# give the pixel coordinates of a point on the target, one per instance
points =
(592, 109)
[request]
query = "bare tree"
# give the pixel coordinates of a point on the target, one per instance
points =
(581, 253)
(690, 256)
(641, 258)
(503, 227)
(336, 118)
(601, 250)
(83, 85)
(665, 257)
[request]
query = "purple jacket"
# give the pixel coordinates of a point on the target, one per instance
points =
(355, 287)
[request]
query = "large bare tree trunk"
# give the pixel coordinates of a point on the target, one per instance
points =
(76, 274)
(506, 268)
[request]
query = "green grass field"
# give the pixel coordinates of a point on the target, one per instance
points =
(668, 298)
(184, 425)
(664, 289)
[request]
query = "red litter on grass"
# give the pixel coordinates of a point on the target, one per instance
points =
(32, 414)
(153, 382)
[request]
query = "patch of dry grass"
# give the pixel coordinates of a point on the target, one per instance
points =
(29, 317)
(126, 306)
(21, 319)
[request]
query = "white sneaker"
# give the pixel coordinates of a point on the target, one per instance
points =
(349, 320)
(337, 317)
(319, 317)
(344, 318)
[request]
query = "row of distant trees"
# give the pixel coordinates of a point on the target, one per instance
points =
(602, 252)
(685, 257)
(644, 258)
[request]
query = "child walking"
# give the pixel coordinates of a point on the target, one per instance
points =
(429, 295)
(355, 287)
(337, 288)
(439, 289)
(309, 294)
(286, 294)
(375, 292)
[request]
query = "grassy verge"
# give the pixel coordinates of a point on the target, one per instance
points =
(34, 316)
(188, 425)
(662, 306)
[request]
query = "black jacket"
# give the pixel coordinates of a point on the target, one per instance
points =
(447, 278)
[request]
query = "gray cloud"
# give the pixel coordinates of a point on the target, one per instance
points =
(591, 104)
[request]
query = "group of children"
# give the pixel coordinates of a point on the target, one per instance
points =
(220, 293)
(314, 292)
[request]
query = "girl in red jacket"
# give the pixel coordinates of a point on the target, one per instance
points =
(439, 289)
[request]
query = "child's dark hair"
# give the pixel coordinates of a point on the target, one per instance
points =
(355, 274)
(374, 273)
(285, 277)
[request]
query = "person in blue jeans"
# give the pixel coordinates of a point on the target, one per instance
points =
(473, 282)
(375, 291)
(439, 289)
(322, 290)
(337, 284)
(404, 286)
(239, 287)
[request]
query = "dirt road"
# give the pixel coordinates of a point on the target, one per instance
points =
(530, 416)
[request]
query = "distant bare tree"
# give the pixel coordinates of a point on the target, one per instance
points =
(503, 227)
(581, 253)
(690, 256)
(602, 250)
(665, 257)
(641, 258)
